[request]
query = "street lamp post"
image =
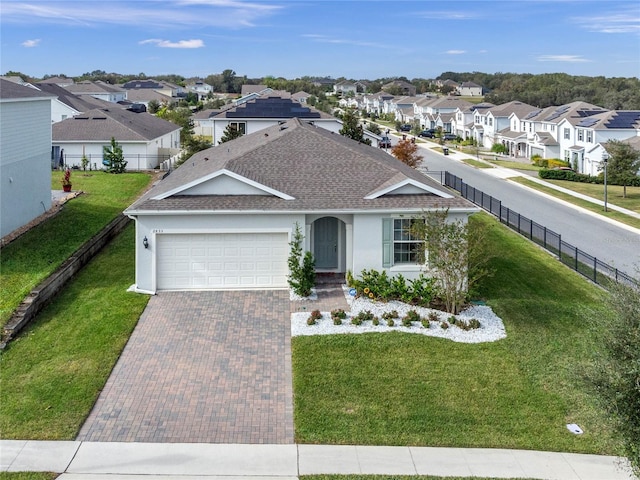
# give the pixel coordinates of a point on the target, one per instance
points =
(605, 160)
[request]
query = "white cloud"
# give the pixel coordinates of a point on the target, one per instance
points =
(562, 58)
(344, 41)
(455, 52)
(615, 22)
(31, 43)
(159, 13)
(178, 44)
(448, 15)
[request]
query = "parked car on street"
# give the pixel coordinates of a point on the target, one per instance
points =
(449, 136)
(405, 128)
(385, 142)
(429, 133)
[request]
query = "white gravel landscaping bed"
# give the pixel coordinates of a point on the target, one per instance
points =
(491, 326)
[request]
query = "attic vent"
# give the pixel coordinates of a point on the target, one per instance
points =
(283, 127)
(266, 134)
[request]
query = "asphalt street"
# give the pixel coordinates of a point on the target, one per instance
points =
(610, 243)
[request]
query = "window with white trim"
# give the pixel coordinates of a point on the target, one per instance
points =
(239, 126)
(589, 136)
(580, 135)
(406, 246)
(567, 134)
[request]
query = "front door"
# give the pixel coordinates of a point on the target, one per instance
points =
(325, 243)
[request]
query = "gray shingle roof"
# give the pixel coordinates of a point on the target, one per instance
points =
(322, 171)
(13, 91)
(93, 88)
(82, 103)
(102, 124)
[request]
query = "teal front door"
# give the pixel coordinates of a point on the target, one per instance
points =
(325, 243)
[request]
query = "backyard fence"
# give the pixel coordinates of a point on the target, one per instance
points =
(135, 162)
(583, 263)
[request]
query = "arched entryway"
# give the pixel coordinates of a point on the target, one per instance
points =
(328, 244)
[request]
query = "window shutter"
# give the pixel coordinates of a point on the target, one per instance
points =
(387, 242)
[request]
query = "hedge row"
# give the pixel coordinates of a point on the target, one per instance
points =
(580, 177)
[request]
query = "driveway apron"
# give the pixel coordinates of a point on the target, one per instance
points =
(207, 367)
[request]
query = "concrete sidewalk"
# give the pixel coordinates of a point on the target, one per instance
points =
(131, 461)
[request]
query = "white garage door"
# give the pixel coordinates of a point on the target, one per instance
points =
(222, 261)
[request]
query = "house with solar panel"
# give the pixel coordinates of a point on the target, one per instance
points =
(585, 150)
(545, 134)
(261, 113)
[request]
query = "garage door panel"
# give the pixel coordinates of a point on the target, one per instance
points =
(214, 261)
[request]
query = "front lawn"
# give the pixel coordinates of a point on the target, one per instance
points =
(520, 392)
(35, 255)
(53, 372)
(634, 203)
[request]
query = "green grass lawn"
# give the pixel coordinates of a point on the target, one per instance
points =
(476, 163)
(520, 392)
(35, 255)
(27, 476)
(614, 193)
(514, 165)
(53, 371)
(633, 201)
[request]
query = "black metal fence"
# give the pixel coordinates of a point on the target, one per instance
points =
(583, 263)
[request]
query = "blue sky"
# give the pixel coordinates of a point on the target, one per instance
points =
(353, 39)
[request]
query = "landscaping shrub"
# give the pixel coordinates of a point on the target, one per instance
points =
(410, 317)
(556, 162)
(419, 291)
(302, 275)
(568, 175)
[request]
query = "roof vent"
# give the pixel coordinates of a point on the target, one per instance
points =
(283, 127)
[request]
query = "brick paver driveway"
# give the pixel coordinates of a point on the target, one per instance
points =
(210, 367)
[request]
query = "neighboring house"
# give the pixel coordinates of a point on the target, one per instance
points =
(60, 81)
(345, 87)
(261, 113)
(146, 140)
(146, 95)
(462, 122)
(591, 131)
(25, 155)
(427, 111)
(200, 88)
(300, 97)
(405, 87)
(325, 82)
(67, 105)
(224, 219)
(165, 88)
(488, 123)
(99, 90)
(469, 89)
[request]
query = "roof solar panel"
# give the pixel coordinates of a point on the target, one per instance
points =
(624, 120)
(588, 122)
(532, 114)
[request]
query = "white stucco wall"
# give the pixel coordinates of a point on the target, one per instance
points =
(25, 162)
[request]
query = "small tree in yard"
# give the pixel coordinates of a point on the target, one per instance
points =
(615, 371)
(407, 152)
(302, 274)
(114, 157)
(352, 129)
(230, 133)
(623, 165)
(458, 252)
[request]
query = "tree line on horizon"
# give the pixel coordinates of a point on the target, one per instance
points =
(540, 90)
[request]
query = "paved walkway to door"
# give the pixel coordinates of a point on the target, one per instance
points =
(207, 367)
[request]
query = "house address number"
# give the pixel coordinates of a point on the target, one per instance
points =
(157, 230)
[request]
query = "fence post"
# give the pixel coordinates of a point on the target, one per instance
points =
(544, 235)
(576, 255)
(595, 269)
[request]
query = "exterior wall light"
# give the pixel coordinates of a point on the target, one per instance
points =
(145, 242)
